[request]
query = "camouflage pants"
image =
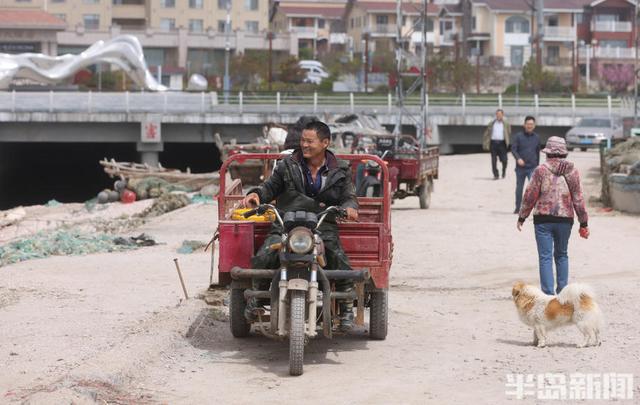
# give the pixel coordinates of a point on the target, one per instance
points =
(266, 258)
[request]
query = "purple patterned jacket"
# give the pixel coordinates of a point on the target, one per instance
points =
(554, 193)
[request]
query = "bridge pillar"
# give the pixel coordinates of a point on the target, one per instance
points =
(150, 153)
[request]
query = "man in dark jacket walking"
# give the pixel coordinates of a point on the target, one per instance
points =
(310, 179)
(526, 151)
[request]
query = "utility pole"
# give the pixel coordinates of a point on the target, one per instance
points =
(226, 84)
(478, 72)
(635, 67)
(539, 30)
(366, 62)
(574, 66)
(422, 136)
(399, 90)
(270, 36)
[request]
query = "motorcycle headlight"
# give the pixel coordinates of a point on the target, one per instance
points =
(300, 240)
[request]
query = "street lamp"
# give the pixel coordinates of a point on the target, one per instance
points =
(270, 37)
(365, 36)
(226, 85)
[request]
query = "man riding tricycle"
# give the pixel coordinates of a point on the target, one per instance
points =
(323, 252)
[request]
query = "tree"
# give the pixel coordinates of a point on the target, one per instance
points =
(291, 72)
(462, 75)
(383, 61)
(537, 80)
(617, 77)
(248, 70)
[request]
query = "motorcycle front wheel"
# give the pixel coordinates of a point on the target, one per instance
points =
(296, 333)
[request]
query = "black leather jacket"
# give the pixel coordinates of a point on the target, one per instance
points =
(287, 186)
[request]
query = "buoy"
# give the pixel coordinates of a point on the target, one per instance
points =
(127, 196)
(103, 197)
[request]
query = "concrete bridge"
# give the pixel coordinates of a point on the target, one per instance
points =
(149, 120)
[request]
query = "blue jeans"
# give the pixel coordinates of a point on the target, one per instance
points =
(521, 174)
(553, 242)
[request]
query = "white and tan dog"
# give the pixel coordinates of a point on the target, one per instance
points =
(574, 305)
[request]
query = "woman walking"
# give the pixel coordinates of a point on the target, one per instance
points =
(554, 194)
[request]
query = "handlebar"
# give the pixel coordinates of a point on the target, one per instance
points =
(262, 208)
(340, 213)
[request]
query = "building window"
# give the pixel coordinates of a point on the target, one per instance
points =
(473, 24)
(607, 17)
(222, 25)
(222, 4)
(23, 1)
(613, 43)
(351, 22)
(251, 26)
(168, 3)
(517, 25)
(553, 55)
(61, 16)
(430, 24)
(579, 17)
(91, 1)
(321, 23)
(552, 21)
(57, 1)
(167, 24)
(195, 3)
(382, 20)
(91, 21)
(517, 56)
(196, 26)
(251, 4)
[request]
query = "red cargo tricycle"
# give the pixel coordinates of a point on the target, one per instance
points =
(301, 298)
(412, 166)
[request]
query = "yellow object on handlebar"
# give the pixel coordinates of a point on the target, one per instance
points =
(238, 215)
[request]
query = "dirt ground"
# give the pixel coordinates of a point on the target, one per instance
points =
(112, 328)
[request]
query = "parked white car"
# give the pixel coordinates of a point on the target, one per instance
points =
(590, 131)
(315, 72)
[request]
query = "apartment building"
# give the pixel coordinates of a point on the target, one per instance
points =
(318, 25)
(187, 35)
(29, 31)
(606, 33)
(508, 29)
(376, 22)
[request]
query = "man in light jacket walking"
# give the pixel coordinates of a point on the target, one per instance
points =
(496, 139)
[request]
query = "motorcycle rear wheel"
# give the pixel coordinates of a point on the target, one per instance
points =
(425, 194)
(296, 333)
(240, 327)
(378, 315)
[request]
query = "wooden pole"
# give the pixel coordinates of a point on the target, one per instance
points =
(184, 289)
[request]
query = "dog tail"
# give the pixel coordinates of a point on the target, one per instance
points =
(582, 296)
(574, 293)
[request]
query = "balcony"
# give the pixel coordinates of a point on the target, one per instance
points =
(448, 38)
(129, 11)
(606, 53)
(338, 38)
(305, 32)
(383, 30)
(416, 37)
(559, 33)
(611, 26)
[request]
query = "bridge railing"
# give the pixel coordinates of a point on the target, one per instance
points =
(281, 102)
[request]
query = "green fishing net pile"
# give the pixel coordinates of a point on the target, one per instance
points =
(58, 243)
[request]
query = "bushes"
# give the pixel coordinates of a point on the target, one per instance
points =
(536, 79)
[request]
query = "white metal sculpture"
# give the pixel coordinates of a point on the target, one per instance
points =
(123, 51)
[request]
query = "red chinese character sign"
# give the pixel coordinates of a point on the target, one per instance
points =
(151, 130)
